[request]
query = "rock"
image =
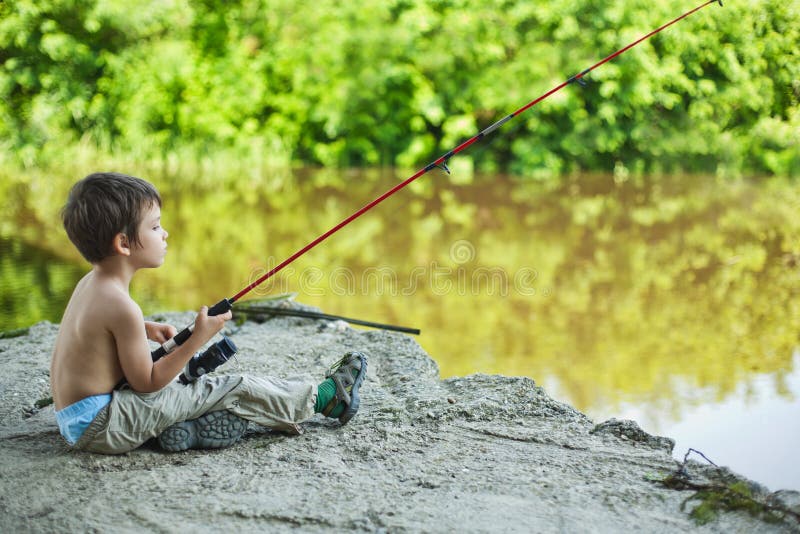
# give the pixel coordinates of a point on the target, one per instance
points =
(630, 430)
(506, 457)
(789, 499)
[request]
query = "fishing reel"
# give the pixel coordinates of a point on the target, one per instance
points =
(205, 362)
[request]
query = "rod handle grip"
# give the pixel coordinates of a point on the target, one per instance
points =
(220, 307)
(217, 309)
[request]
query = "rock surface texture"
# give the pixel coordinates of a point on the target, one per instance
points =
(473, 454)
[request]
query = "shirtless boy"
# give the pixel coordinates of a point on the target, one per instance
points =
(115, 222)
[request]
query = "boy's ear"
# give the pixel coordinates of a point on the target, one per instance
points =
(121, 245)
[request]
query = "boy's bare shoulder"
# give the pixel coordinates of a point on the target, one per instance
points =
(109, 302)
(121, 311)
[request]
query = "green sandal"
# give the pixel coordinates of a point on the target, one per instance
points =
(348, 374)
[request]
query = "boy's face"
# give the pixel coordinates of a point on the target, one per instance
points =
(153, 239)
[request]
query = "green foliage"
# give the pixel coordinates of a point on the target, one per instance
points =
(399, 82)
(43, 402)
(726, 496)
(16, 332)
(732, 497)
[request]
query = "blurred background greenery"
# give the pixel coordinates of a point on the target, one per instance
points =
(397, 82)
(631, 243)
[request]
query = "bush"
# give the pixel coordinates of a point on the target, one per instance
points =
(401, 82)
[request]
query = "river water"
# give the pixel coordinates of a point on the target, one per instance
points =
(669, 300)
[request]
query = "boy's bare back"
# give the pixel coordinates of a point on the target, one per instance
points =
(85, 360)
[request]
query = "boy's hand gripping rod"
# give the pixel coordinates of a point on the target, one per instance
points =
(226, 304)
(217, 309)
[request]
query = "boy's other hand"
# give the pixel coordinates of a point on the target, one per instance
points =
(205, 327)
(159, 332)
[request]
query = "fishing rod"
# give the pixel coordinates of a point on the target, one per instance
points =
(260, 311)
(226, 304)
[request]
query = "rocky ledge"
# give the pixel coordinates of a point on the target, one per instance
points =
(473, 454)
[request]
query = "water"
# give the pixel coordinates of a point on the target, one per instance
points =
(754, 429)
(672, 301)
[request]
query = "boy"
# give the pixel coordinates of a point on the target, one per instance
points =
(115, 222)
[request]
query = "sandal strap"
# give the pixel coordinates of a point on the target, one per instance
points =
(342, 375)
(342, 381)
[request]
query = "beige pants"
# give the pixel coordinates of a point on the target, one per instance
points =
(132, 418)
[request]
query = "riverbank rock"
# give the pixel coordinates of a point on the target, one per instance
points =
(473, 454)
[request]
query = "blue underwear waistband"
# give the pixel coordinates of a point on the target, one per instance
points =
(75, 418)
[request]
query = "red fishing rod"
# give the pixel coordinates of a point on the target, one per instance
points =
(225, 304)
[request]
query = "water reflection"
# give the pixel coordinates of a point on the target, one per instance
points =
(755, 430)
(614, 293)
(36, 284)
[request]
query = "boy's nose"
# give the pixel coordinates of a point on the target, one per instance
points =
(166, 234)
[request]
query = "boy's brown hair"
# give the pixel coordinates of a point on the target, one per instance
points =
(102, 205)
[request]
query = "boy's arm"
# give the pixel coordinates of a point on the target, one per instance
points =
(133, 350)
